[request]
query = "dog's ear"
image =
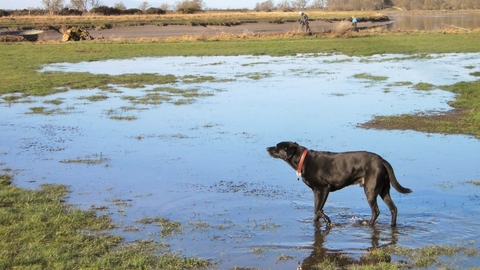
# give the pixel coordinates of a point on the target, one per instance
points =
(291, 150)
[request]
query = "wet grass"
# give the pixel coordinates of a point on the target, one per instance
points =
(475, 183)
(95, 98)
(255, 75)
(395, 257)
(424, 86)
(12, 98)
(370, 77)
(476, 74)
(403, 83)
(94, 159)
(431, 255)
(123, 118)
(168, 227)
(40, 231)
(41, 110)
(57, 101)
(166, 94)
(463, 119)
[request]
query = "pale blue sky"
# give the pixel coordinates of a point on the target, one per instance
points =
(221, 4)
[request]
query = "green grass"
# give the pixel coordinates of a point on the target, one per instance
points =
(370, 77)
(57, 101)
(123, 118)
(168, 227)
(95, 98)
(402, 83)
(424, 86)
(475, 183)
(41, 110)
(395, 257)
(463, 119)
(89, 160)
(40, 231)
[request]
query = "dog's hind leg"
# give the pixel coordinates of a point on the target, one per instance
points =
(389, 202)
(372, 201)
(320, 197)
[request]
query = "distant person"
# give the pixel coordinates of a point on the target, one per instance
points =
(304, 22)
(354, 22)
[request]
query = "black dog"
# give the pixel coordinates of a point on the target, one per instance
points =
(326, 171)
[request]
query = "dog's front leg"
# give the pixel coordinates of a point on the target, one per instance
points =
(320, 197)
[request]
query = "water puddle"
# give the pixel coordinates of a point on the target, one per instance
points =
(194, 152)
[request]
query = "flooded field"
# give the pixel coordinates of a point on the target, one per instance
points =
(194, 152)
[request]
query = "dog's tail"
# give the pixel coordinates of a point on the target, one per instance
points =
(393, 179)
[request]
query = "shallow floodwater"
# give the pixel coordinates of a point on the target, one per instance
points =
(204, 163)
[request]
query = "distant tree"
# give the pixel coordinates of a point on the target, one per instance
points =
(79, 4)
(265, 6)
(387, 3)
(70, 12)
(94, 3)
(4, 13)
(153, 10)
(107, 11)
(190, 6)
(285, 5)
(120, 5)
(84, 5)
(319, 4)
(299, 4)
(132, 11)
(52, 6)
(144, 6)
(164, 6)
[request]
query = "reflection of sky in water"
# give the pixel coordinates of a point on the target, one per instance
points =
(172, 160)
(397, 68)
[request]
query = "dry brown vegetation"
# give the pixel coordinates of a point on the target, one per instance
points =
(204, 18)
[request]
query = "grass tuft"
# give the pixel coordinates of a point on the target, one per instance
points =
(424, 86)
(370, 77)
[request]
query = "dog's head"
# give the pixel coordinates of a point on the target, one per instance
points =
(283, 150)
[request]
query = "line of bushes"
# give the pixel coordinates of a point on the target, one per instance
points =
(107, 11)
(4, 13)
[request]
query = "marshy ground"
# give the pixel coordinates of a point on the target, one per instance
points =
(181, 159)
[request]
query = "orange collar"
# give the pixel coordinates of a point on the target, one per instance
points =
(300, 164)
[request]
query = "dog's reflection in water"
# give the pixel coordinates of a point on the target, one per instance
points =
(322, 255)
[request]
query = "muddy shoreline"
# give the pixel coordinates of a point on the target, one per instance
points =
(153, 31)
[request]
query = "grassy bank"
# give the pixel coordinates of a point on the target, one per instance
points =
(39, 231)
